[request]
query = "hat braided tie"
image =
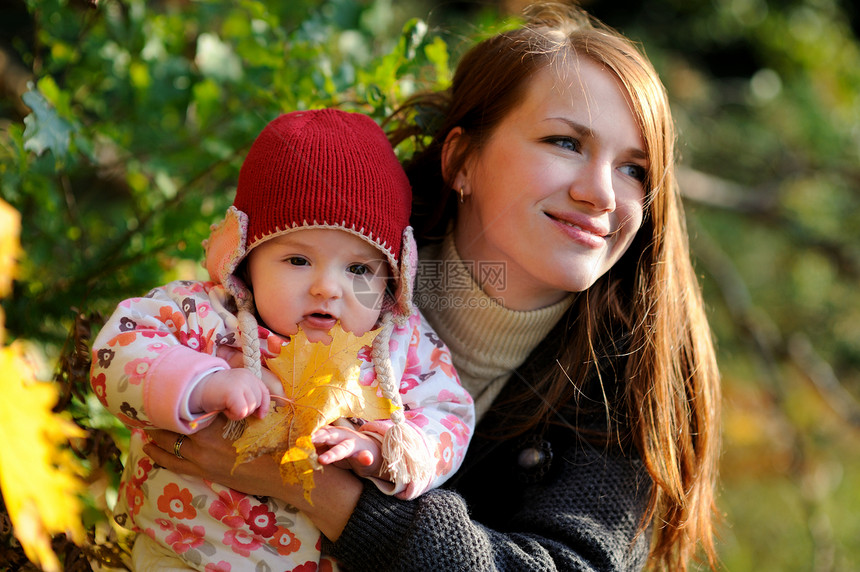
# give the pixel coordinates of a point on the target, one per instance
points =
(402, 446)
(250, 359)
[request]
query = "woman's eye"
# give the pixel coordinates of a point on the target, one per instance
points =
(637, 172)
(298, 261)
(358, 269)
(566, 143)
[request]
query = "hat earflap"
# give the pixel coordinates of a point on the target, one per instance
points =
(406, 277)
(226, 246)
(225, 249)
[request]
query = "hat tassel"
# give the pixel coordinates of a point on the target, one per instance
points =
(402, 450)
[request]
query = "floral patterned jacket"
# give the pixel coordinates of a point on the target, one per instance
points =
(150, 353)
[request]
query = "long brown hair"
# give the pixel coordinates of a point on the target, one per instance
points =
(670, 386)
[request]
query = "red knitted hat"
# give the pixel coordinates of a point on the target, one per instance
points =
(322, 168)
(325, 167)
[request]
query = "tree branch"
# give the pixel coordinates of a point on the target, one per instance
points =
(823, 378)
(13, 80)
(763, 206)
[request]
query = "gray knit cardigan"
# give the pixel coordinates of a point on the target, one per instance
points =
(579, 508)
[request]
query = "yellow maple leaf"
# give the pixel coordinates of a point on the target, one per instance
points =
(10, 224)
(38, 477)
(321, 384)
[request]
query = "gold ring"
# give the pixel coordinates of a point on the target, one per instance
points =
(178, 445)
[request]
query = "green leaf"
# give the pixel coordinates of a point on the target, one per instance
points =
(437, 53)
(45, 130)
(413, 34)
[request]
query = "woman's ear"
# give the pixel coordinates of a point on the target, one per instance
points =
(454, 163)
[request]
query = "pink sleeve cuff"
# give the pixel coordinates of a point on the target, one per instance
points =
(167, 383)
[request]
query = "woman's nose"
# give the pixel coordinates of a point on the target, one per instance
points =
(326, 284)
(593, 185)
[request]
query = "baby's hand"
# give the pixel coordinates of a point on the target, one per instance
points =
(234, 358)
(349, 449)
(237, 392)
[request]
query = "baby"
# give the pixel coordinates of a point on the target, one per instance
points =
(317, 235)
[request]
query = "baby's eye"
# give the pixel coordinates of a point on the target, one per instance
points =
(298, 261)
(358, 269)
(567, 143)
(637, 172)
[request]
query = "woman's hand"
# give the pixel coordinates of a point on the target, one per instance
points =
(207, 455)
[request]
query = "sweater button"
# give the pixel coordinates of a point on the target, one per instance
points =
(531, 458)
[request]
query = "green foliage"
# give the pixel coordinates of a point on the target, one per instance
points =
(142, 113)
(140, 116)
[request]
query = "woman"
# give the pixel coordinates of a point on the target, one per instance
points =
(580, 329)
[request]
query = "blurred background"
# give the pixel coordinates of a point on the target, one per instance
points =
(123, 124)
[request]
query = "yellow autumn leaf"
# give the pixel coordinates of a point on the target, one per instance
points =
(321, 383)
(39, 479)
(10, 225)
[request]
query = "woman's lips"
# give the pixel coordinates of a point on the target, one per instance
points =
(582, 231)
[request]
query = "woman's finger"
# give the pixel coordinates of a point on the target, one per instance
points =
(163, 438)
(173, 451)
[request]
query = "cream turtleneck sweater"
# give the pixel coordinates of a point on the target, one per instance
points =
(487, 341)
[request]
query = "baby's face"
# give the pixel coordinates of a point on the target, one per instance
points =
(313, 278)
